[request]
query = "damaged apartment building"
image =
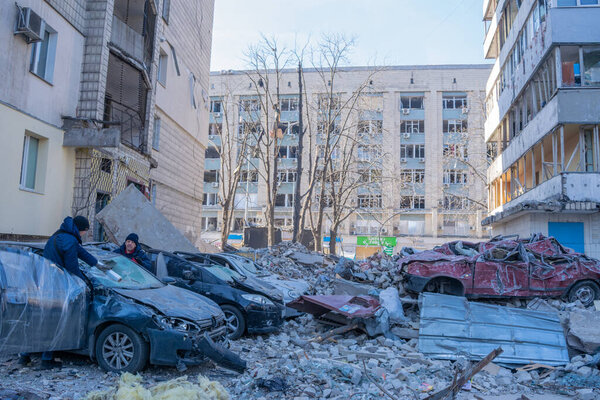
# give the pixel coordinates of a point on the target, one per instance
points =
(98, 95)
(421, 147)
(543, 119)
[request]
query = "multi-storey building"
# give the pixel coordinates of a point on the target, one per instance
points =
(84, 98)
(543, 115)
(422, 147)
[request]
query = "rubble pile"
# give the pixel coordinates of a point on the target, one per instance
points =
(378, 270)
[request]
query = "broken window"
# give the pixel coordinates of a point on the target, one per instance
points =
(139, 17)
(284, 200)
(414, 102)
(591, 65)
(248, 176)
(416, 126)
(369, 175)
(454, 101)
(326, 102)
(287, 176)
(571, 68)
(106, 165)
(370, 127)
(454, 126)
(453, 202)
(209, 223)
(412, 202)
(327, 200)
(249, 128)
(211, 176)
(412, 176)
(215, 129)
(292, 128)
(216, 106)
(457, 151)
(455, 176)
(212, 152)
(369, 152)
(369, 201)
(210, 199)
(288, 151)
(249, 105)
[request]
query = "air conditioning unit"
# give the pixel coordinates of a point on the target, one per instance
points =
(465, 110)
(406, 111)
(29, 24)
(421, 160)
(217, 114)
(406, 135)
(215, 184)
(403, 160)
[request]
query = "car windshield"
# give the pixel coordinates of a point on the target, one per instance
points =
(122, 273)
(224, 273)
(249, 266)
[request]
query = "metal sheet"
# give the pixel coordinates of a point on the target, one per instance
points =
(451, 327)
(348, 306)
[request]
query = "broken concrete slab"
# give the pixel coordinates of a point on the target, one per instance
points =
(131, 211)
(307, 258)
(343, 286)
(584, 330)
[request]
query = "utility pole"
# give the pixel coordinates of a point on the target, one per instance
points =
(297, 230)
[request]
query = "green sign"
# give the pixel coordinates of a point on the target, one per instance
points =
(386, 241)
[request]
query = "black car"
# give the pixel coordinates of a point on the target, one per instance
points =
(249, 305)
(122, 316)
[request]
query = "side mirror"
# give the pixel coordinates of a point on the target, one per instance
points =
(168, 280)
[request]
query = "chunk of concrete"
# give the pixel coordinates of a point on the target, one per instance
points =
(131, 211)
(584, 331)
(92, 137)
(342, 286)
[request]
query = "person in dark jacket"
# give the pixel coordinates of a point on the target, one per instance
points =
(64, 248)
(132, 250)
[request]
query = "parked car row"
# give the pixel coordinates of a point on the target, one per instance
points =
(123, 316)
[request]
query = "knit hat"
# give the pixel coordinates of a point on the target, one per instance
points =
(134, 238)
(81, 223)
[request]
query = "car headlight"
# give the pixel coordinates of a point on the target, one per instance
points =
(176, 323)
(256, 298)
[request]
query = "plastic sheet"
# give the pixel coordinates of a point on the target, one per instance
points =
(42, 307)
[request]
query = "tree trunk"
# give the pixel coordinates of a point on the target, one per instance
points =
(332, 239)
(225, 223)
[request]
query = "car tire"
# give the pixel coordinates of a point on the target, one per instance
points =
(131, 350)
(234, 321)
(584, 291)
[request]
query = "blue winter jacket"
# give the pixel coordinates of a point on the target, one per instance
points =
(138, 256)
(64, 248)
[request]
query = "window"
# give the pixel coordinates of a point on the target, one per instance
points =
(241, 200)
(289, 104)
(156, 134)
(333, 153)
(322, 128)
(454, 102)
(327, 200)
(106, 165)
(370, 127)
(248, 105)
(369, 201)
(326, 102)
(412, 151)
(29, 164)
(210, 199)
(287, 176)
(452, 202)
(455, 176)
(249, 128)
(162, 68)
(43, 54)
(571, 68)
(212, 152)
(292, 128)
(248, 176)
(215, 129)
(369, 152)
(456, 151)
(411, 102)
(412, 202)
(165, 10)
(216, 106)
(591, 65)
(455, 125)
(211, 176)
(369, 175)
(287, 151)
(412, 176)
(192, 90)
(284, 200)
(412, 127)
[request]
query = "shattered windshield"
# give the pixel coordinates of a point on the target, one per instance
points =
(224, 273)
(121, 273)
(249, 266)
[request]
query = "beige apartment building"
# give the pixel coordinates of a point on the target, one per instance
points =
(543, 119)
(84, 99)
(424, 153)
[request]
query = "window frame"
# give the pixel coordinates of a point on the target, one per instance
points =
(50, 54)
(163, 62)
(25, 163)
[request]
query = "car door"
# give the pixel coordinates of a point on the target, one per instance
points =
(42, 307)
(501, 272)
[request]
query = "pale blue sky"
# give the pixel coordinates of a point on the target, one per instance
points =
(388, 32)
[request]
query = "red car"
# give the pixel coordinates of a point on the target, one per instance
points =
(534, 267)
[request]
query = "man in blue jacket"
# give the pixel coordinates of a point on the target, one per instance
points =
(64, 248)
(132, 250)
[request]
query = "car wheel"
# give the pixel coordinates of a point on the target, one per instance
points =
(121, 349)
(586, 292)
(444, 286)
(234, 322)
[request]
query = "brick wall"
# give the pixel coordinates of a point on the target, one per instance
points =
(73, 11)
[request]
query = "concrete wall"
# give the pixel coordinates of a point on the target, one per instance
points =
(38, 212)
(27, 92)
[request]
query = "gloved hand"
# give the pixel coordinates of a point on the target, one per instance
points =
(103, 266)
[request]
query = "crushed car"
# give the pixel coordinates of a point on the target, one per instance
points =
(122, 317)
(249, 305)
(291, 288)
(538, 266)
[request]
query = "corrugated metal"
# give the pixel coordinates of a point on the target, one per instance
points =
(451, 326)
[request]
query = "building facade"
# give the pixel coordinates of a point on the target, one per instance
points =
(96, 68)
(543, 115)
(422, 148)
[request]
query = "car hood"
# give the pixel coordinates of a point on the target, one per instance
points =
(258, 286)
(288, 284)
(175, 302)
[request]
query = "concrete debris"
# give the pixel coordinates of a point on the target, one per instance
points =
(584, 330)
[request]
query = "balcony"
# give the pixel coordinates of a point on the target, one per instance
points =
(211, 187)
(127, 39)
(212, 163)
(288, 163)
